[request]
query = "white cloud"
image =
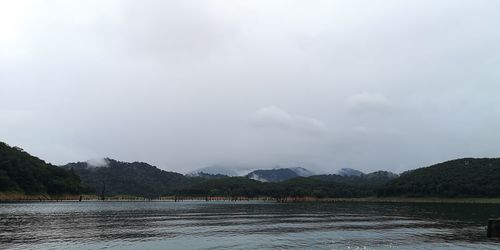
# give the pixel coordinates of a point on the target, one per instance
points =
(366, 102)
(98, 162)
(274, 117)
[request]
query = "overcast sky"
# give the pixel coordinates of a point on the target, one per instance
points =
(369, 85)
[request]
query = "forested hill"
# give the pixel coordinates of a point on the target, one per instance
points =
(374, 180)
(23, 173)
(466, 177)
(296, 187)
(128, 178)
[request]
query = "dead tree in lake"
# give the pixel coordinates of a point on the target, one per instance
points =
(103, 191)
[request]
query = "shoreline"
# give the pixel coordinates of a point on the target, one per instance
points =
(469, 200)
(18, 197)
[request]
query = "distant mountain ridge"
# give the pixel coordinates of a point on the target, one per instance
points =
(278, 174)
(349, 172)
(219, 170)
(374, 179)
(22, 173)
(272, 175)
(300, 171)
(265, 175)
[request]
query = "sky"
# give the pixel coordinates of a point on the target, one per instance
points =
(369, 85)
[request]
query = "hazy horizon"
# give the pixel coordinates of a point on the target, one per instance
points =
(183, 85)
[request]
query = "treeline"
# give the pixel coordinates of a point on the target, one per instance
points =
(296, 187)
(129, 178)
(144, 180)
(22, 173)
(467, 177)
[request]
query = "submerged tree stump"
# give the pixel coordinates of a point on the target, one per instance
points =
(493, 228)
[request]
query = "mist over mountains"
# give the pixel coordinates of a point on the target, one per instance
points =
(25, 174)
(221, 170)
(111, 177)
(278, 174)
(267, 174)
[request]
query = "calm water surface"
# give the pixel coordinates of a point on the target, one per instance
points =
(244, 225)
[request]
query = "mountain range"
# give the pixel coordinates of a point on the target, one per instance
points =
(276, 174)
(220, 170)
(22, 173)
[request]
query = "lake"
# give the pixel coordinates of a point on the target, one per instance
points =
(244, 225)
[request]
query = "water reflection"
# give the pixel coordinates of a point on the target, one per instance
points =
(201, 225)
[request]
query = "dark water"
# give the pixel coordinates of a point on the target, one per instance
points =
(244, 225)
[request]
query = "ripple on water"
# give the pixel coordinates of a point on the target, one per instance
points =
(241, 225)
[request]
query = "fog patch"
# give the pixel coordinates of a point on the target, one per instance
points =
(255, 177)
(98, 163)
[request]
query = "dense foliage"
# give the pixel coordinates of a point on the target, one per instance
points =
(457, 178)
(141, 179)
(314, 186)
(21, 172)
(371, 180)
(124, 178)
(208, 176)
(229, 187)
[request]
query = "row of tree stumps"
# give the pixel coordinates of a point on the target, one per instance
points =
(177, 198)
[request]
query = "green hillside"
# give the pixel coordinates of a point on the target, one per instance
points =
(467, 177)
(124, 178)
(25, 174)
(20, 172)
(295, 187)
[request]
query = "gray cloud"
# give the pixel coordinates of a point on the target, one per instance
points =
(369, 103)
(187, 84)
(274, 117)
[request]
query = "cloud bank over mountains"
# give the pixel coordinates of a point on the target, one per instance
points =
(188, 84)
